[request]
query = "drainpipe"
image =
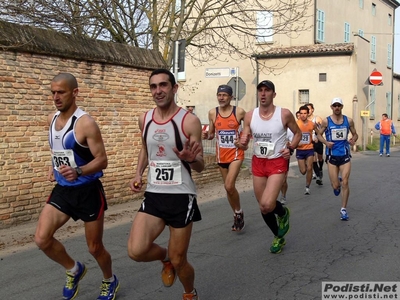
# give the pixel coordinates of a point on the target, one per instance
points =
(257, 77)
(391, 93)
(315, 21)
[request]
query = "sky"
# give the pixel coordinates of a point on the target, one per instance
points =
(397, 41)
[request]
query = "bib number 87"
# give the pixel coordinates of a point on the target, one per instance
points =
(164, 174)
(263, 150)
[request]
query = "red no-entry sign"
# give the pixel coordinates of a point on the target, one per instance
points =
(375, 78)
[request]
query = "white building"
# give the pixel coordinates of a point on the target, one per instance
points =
(348, 40)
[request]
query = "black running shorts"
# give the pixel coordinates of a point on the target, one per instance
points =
(177, 210)
(319, 147)
(338, 160)
(86, 202)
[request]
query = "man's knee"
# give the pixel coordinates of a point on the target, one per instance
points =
(96, 249)
(230, 188)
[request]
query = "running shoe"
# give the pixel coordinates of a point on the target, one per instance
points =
(337, 191)
(283, 223)
(277, 245)
(71, 287)
(109, 289)
(319, 181)
(314, 176)
(343, 215)
(307, 191)
(238, 223)
(388, 155)
(168, 274)
(283, 200)
(380, 154)
(190, 296)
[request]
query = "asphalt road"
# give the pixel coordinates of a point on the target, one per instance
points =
(320, 247)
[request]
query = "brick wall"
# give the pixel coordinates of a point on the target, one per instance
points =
(115, 93)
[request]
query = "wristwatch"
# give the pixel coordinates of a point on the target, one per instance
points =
(78, 171)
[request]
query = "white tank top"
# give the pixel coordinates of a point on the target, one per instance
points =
(269, 136)
(167, 173)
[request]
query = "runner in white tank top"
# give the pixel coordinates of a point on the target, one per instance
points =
(268, 125)
(171, 149)
(269, 135)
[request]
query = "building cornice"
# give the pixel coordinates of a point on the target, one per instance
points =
(394, 3)
(307, 51)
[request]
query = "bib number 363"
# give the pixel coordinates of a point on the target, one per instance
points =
(63, 157)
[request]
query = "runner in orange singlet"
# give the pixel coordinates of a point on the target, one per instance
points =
(225, 122)
(305, 148)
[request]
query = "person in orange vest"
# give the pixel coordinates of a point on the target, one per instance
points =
(386, 128)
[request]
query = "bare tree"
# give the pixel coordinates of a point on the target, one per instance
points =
(208, 26)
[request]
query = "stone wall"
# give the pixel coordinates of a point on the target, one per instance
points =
(113, 83)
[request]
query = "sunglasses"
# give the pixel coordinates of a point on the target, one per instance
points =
(336, 105)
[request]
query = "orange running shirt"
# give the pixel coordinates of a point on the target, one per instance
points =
(227, 130)
(306, 135)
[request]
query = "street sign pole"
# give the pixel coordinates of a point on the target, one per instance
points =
(364, 118)
(237, 87)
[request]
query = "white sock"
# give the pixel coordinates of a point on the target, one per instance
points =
(194, 292)
(166, 255)
(74, 270)
(238, 211)
(111, 279)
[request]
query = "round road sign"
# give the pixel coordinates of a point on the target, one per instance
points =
(375, 78)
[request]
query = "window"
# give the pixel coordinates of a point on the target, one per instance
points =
(320, 26)
(361, 32)
(388, 103)
(304, 96)
(389, 56)
(390, 21)
(178, 5)
(181, 73)
(373, 9)
(346, 32)
(372, 98)
(361, 3)
(373, 49)
(264, 27)
(322, 77)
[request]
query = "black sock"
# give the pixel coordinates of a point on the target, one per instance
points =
(279, 210)
(320, 163)
(270, 220)
(316, 168)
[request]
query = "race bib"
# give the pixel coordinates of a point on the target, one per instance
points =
(264, 149)
(166, 172)
(339, 134)
(226, 138)
(305, 138)
(63, 157)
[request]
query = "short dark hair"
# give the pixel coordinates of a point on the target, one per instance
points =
(304, 107)
(385, 115)
(310, 104)
(164, 71)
